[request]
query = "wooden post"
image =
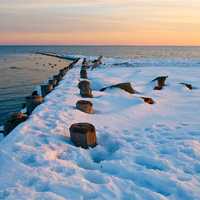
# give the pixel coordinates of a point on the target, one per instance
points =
(46, 89)
(160, 82)
(58, 78)
(14, 120)
(85, 106)
(83, 135)
(83, 73)
(97, 62)
(124, 86)
(85, 90)
(62, 72)
(32, 102)
(53, 82)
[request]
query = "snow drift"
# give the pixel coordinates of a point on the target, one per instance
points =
(144, 151)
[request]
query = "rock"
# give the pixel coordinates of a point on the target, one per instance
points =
(83, 135)
(46, 89)
(83, 74)
(32, 102)
(85, 90)
(124, 86)
(148, 100)
(14, 120)
(189, 86)
(160, 82)
(85, 106)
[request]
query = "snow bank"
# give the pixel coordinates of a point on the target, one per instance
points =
(144, 151)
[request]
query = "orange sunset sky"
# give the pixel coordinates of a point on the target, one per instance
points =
(103, 22)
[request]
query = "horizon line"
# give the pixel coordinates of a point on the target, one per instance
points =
(106, 45)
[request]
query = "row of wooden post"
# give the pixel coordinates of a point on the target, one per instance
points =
(84, 134)
(35, 99)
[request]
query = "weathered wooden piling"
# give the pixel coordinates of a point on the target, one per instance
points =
(83, 135)
(188, 86)
(73, 63)
(97, 62)
(46, 89)
(160, 82)
(85, 106)
(58, 78)
(85, 90)
(85, 64)
(66, 69)
(148, 100)
(53, 82)
(32, 102)
(124, 86)
(62, 72)
(14, 120)
(83, 73)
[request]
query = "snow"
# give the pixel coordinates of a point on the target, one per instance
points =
(144, 151)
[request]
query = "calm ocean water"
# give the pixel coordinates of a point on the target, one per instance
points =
(21, 71)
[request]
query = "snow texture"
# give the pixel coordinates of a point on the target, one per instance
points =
(144, 152)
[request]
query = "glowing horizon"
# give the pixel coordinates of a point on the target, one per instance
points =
(98, 22)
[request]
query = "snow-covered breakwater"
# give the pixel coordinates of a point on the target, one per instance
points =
(144, 151)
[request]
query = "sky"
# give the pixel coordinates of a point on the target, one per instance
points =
(100, 22)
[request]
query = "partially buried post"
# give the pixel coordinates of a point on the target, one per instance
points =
(83, 135)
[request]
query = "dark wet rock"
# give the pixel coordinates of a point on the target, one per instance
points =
(85, 106)
(160, 82)
(85, 89)
(148, 100)
(14, 120)
(14, 67)
(124, 86)
(83, 135)
(32, 102)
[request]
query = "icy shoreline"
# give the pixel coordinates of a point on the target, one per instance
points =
(144, 151)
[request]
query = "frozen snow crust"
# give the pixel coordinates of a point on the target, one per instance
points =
(144, 152)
